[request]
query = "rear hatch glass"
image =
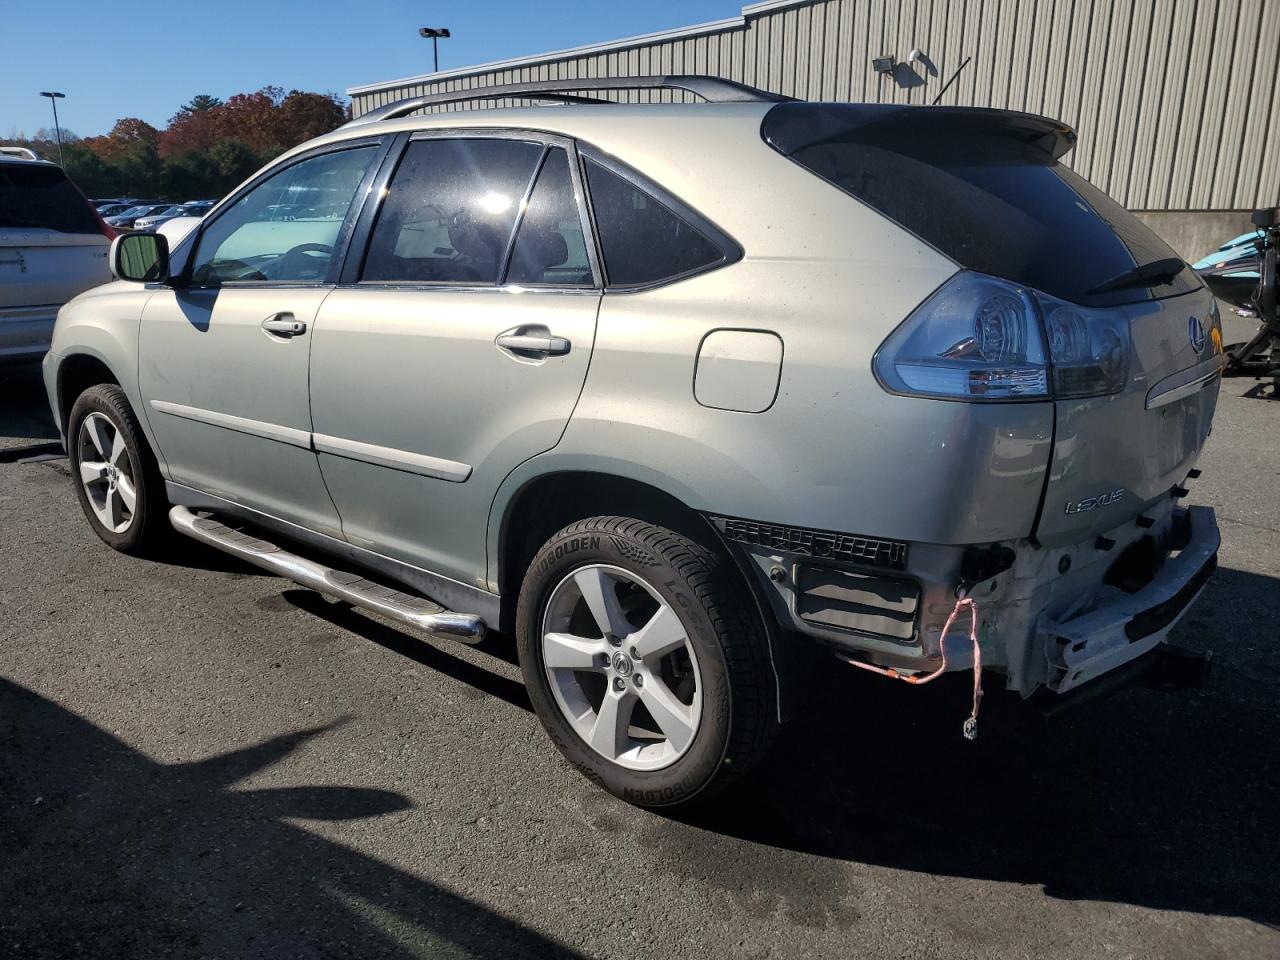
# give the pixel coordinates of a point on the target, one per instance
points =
(39, 196)
(984, 187)
(51, 243)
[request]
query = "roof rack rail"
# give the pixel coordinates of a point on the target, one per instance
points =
(711, 89)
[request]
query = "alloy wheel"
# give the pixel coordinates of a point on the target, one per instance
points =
(107, 472)
(622, 669)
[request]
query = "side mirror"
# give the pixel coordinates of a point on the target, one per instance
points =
(1266, 217)
(141, 257)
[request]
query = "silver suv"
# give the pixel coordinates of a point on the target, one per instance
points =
(53, 245)
(676, 395)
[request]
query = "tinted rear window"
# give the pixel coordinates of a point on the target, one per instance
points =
(41, 196)
(983, 187)
(642, 239)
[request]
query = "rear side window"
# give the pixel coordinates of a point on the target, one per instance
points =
(40, 196)
(550, 247)
(643, 240)
(450, 210)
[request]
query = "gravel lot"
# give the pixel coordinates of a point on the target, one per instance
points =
(200, 760)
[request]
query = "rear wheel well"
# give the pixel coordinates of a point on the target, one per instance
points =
(76, 374)
(552, 502)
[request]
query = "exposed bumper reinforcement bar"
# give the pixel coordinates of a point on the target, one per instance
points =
(1126, 628)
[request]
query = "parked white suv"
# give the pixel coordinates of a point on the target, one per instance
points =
(676, 394)
(53, 245)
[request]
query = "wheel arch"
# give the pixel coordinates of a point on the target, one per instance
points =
(77, 372)
(549, 501)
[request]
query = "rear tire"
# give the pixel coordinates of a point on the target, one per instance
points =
(675, 698)
(115, 474)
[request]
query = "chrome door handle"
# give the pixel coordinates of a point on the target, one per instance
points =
(537, 341)
(284, 325)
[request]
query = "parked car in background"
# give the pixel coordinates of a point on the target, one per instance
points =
(20, 153)
(679, 396)
(127, 219)
(176, 229)
(151, 221)
(114, 208)
(52, 246)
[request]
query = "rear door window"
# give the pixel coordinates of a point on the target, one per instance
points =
(39, 196)
(449, 212)
(550, 247)
(643, 240)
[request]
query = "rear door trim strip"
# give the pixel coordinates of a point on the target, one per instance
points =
(418, 463)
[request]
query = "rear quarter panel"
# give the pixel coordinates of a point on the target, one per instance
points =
(835, 451)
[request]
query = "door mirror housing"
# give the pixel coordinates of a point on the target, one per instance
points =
(140, 257)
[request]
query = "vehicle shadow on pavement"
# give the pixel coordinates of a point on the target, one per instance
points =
(24, 410)
(345, 617)
(106, 852)
(1159, 799)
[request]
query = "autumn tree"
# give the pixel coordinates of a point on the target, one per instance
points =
(207, 148)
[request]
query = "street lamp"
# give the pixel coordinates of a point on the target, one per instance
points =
(54, 97)
(435, 34)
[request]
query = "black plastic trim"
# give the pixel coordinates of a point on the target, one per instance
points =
(1155, 619)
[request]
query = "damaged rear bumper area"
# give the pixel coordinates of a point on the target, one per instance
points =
(1050, 619)
(1123, 628)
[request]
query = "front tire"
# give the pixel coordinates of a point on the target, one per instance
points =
(645, 661)
(115, 474)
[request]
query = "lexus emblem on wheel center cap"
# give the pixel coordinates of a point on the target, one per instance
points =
(622, 664)
(1195, 331)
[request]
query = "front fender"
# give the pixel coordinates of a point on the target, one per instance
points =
(103, 324)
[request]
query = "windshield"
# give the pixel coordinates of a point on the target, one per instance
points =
(41, 196)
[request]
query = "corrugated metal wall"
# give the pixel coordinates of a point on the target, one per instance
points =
(1176, 101)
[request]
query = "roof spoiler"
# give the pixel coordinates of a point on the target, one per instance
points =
(793, 126)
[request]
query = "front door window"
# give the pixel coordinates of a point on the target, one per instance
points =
(284, 229)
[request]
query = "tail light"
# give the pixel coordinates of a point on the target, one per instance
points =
(983, 339)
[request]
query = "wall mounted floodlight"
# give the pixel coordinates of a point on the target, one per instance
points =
(884, 64)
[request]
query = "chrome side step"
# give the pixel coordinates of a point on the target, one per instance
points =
(351, 587)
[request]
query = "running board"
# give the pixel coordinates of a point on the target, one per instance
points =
(351, 587)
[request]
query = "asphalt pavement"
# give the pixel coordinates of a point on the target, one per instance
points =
(199, 760)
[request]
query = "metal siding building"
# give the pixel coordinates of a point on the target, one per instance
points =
(1173, 99)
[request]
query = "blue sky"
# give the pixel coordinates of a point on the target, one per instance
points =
(118, 58)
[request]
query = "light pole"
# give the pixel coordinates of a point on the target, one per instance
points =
(436, 34)
(54, 97)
